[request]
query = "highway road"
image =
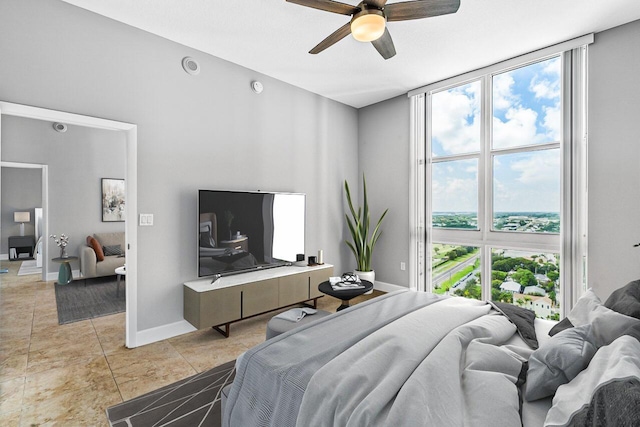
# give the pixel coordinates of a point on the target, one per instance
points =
(445, 276)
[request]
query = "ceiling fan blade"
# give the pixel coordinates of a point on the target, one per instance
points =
(328, 6)
(384, 45)
(420, 9)
(335, 37)
(376, 3)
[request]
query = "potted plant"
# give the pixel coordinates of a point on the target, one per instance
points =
(359, 226)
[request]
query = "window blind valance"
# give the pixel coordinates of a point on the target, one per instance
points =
(509, 63)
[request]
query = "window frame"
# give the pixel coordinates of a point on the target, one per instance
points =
(570, 243)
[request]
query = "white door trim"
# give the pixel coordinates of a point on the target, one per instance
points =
(131, 175)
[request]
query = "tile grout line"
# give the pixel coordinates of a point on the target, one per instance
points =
(182, 356)
(104, 354)
(33, 321)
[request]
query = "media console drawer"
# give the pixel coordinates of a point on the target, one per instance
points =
(234, 298)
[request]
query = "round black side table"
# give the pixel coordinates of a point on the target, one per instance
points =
(344, 294)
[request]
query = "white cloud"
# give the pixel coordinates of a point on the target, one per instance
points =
(544, 88)
(503, 96)
(552, 122)
(539, 168)
(518, 129)
(455, 195)
(456, 119)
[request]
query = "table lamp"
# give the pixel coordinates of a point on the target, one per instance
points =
(22, 217)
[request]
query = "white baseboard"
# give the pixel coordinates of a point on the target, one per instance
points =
(388, 287)
(163, 332)
(4, 257)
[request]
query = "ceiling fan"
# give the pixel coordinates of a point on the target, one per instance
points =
(369, 18)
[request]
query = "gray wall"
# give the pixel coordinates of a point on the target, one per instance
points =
(614, 158)
(614, 165)
(77, 160)
(206, 131)
(21, 191)
(383, 152)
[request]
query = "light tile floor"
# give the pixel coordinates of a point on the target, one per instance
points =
(68, 375)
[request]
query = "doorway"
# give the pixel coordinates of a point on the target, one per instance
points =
(130, 134)
(40, 227)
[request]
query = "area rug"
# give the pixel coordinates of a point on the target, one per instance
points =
(194, 401)
(79, 301)
(29, 267)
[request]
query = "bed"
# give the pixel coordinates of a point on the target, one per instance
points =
(412, 358)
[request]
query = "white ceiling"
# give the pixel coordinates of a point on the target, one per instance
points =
(273, 38)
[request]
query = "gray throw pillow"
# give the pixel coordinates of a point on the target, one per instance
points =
(559, 361)
(626, 300)
(112, 250)
(523, 319)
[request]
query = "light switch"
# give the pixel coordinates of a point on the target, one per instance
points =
(146, 219)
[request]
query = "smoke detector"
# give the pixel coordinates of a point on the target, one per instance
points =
(190, 65)
(60, 127)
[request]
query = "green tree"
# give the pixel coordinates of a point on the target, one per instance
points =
(525, 277)
(498, 275)
(461, 251)
(470, 291)
(553, 275)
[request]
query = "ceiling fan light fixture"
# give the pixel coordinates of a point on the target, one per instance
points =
(368, 25)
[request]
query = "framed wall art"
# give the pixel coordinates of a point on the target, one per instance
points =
(112, 200)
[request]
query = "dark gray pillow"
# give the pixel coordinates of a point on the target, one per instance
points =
(561, 326)
(523, 319)
(626, 300)
(559, 361)
(112, 250)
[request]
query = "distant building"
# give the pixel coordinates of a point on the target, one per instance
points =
(534, 290)
(541, 306)
(511, 286)
(542, 278)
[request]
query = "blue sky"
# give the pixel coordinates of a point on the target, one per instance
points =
(526, 111)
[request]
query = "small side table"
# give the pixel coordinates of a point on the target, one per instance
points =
(21, 244)
(120, 272)
(344, 294)
(64, 274)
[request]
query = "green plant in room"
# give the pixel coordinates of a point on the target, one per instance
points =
(359, 226)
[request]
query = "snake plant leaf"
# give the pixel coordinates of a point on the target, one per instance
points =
(359, 228)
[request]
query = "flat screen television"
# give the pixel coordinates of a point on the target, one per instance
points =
(240, 231)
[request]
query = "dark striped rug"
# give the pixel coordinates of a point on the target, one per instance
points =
(194, 401)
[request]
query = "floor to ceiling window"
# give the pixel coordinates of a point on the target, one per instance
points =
(504, 182)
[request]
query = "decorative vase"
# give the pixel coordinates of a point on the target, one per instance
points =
(369, 276)
(63, 252)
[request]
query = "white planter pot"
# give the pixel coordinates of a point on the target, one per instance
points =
(369, 276)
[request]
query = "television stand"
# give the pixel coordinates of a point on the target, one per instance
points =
(227, 325)
(231, 299)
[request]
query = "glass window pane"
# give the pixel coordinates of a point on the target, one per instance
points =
(456, 270)
(455, 120)
(526, 192)
(527, 279)
(454, 193)
(526, 105)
